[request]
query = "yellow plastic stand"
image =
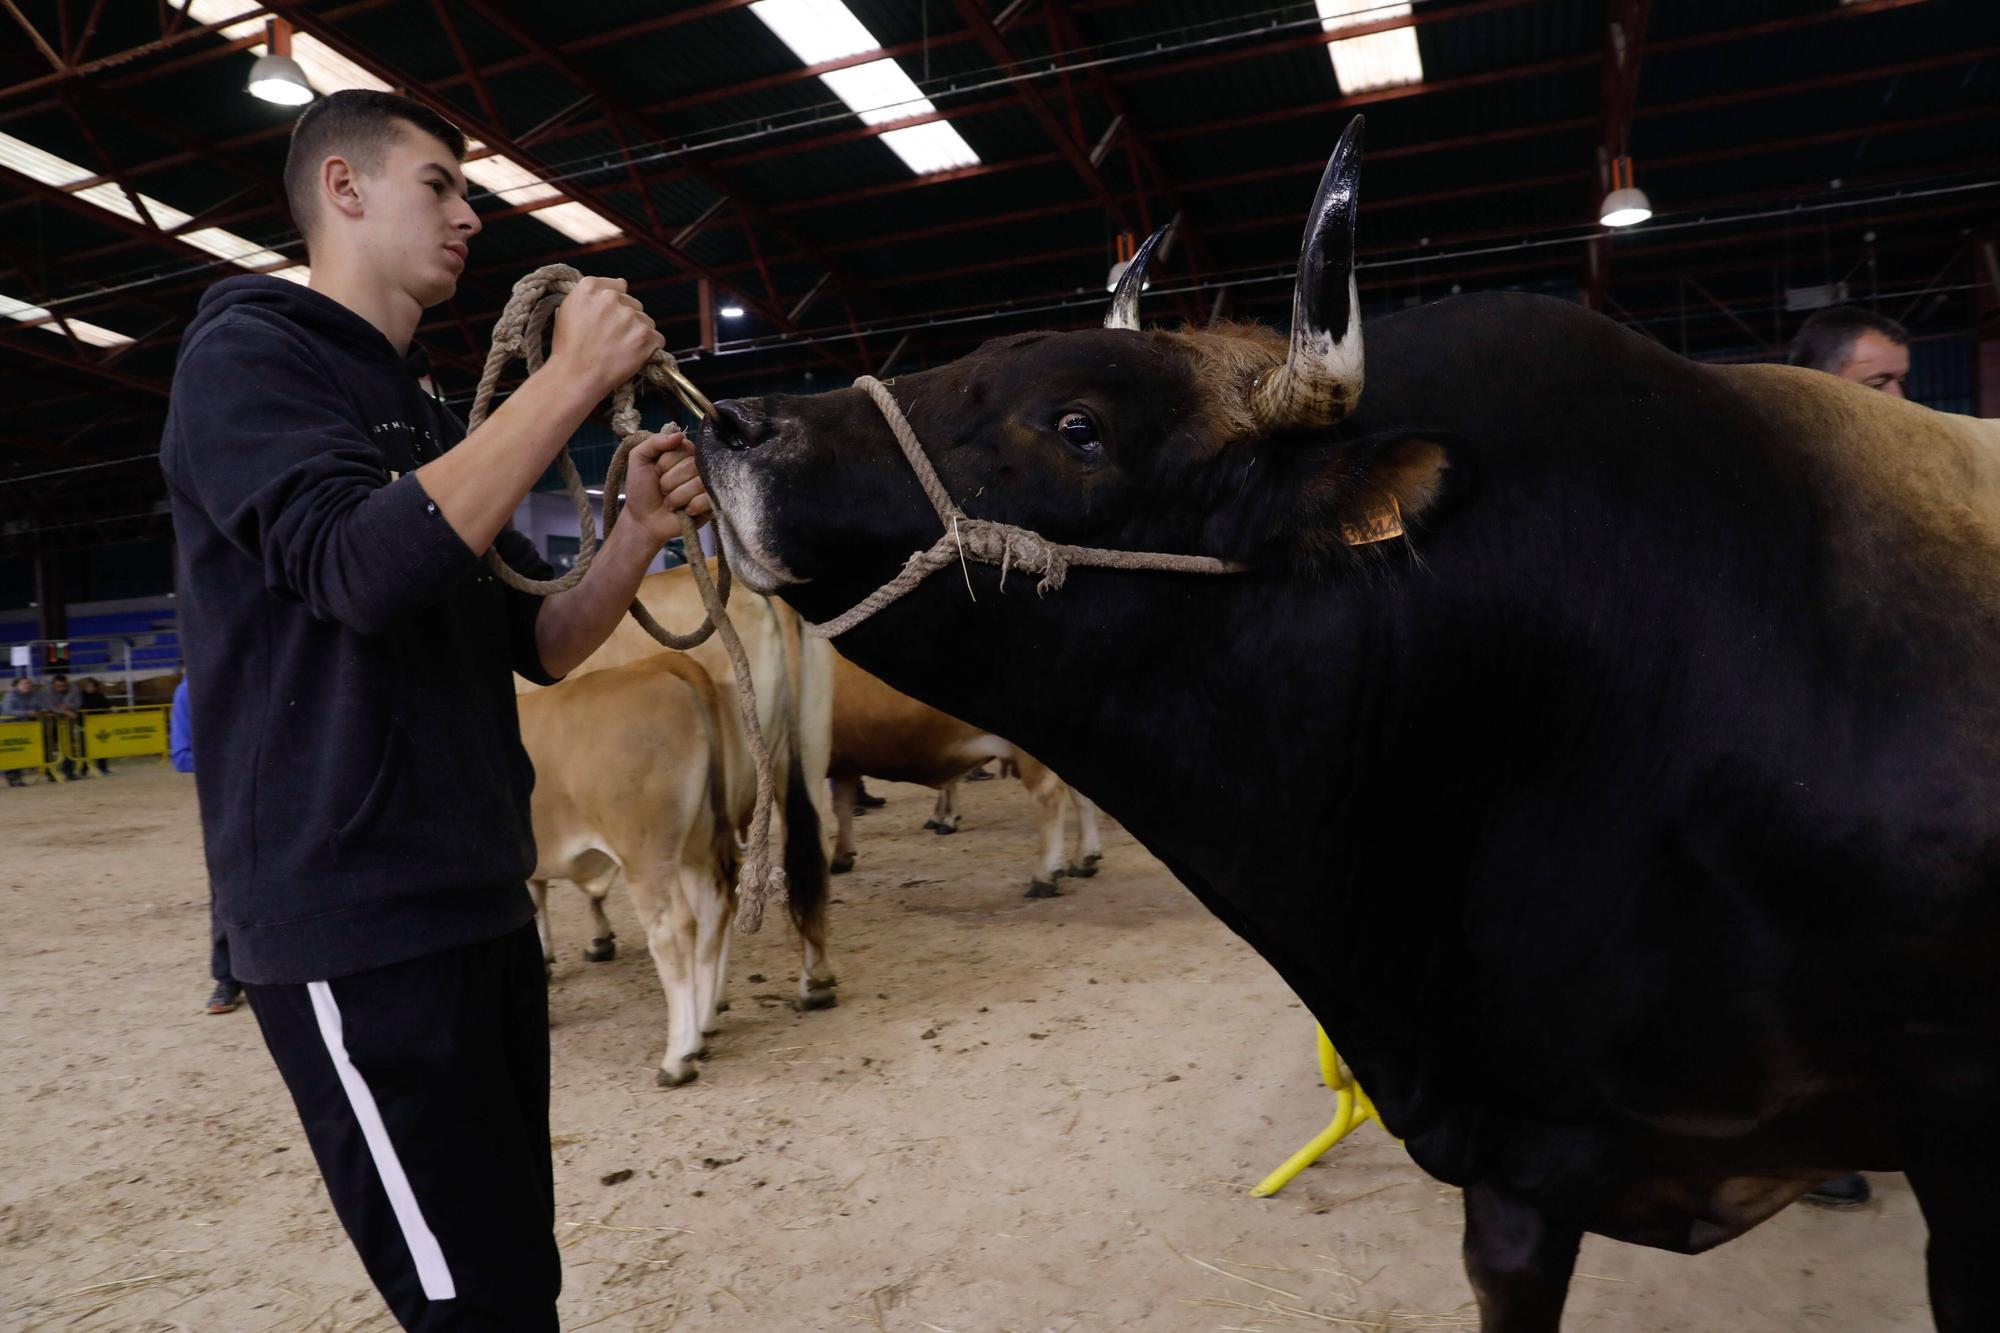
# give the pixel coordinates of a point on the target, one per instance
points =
(1351, 1110)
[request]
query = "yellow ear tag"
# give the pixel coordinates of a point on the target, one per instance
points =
(1383, 522)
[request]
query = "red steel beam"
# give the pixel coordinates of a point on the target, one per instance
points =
(497, 138)
(749, 212)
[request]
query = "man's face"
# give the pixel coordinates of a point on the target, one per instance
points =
(60, 684)
(24, 686)
(415, 222)
(1877, 362)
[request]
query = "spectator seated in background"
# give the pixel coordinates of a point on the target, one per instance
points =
(21, 704)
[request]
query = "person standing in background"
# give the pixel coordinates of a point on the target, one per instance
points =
(91, 699)
(228, 993)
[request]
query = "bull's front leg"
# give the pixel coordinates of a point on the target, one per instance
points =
(1519, 1260)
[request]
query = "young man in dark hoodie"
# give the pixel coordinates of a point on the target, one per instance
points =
(364, 793)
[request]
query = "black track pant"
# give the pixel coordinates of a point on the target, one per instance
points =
(424, 1088)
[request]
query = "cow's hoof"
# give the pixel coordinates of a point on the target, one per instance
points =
(601, 951)
(932, 825)
(1043, 889)
(668, 1079)
(827, 982)
(722, 1008)
(1084, 869)
(816, 999)
(842, 863)
(941, 829)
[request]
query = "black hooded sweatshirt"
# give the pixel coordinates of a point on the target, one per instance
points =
(364, 792)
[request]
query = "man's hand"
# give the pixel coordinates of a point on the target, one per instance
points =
(602, 335)
(660, 477)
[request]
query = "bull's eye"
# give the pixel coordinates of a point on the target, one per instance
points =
(1079, 432)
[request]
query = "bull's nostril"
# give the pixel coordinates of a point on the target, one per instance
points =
(739, 426)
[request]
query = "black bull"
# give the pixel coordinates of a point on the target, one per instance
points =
(1630, 826)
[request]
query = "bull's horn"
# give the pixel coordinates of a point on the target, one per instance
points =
(1124, 312)
(1321, 378)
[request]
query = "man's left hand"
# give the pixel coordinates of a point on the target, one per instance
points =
(660, 478)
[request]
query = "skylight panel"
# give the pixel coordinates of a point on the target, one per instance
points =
(1377, 59)
(580, 223)
(328, 71)
(508, 179)
(50, 169)
(112, 199)
(879, 91)
(43, 166)
(816, 30)
(928, 148)
(94, 334)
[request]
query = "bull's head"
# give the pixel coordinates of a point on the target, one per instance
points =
(1223, 442)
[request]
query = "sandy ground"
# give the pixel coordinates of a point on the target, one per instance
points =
(1023, 1116)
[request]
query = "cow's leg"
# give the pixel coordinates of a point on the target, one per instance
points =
(603, 940)
(714, 908)
(670, 925)
(944, 812)
(1519, 1260)
(1090, 847)
(844, 792)
(538, 889)
(1953, 1170)
(1051, 812)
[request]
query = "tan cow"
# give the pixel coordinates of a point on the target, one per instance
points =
(633, 769)
(603, 729)
(879, 732)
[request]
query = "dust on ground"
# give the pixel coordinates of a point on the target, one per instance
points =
(1022, 1116)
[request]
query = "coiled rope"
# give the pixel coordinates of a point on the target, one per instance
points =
(523, 331)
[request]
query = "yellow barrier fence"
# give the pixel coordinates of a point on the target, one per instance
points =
(24, 744)
(117, 733)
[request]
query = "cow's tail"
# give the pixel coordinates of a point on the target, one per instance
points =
(806, 877)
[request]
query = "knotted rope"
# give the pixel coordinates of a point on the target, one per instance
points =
(522, 331)
(988, 542)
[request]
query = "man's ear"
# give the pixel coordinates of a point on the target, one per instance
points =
(340, 186)
(1379, 491)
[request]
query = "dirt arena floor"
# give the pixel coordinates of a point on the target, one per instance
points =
(1023, 1116)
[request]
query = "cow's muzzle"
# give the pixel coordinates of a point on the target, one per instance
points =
(739, 425)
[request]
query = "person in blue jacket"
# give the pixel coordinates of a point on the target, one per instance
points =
(228, 992)
(364, 791)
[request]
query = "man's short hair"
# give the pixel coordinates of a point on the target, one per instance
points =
(358, 124)
(59, 676)
(1827, 338)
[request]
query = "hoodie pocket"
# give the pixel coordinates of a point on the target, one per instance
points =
(373, 801)
(449, 804)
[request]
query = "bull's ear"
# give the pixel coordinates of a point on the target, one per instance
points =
(1395, 482)
(1377, 492)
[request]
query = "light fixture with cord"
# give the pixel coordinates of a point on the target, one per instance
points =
(1627, 204)
(276, 77)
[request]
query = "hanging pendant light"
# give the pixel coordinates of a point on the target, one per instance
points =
(276, 77)
(1627, 204)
